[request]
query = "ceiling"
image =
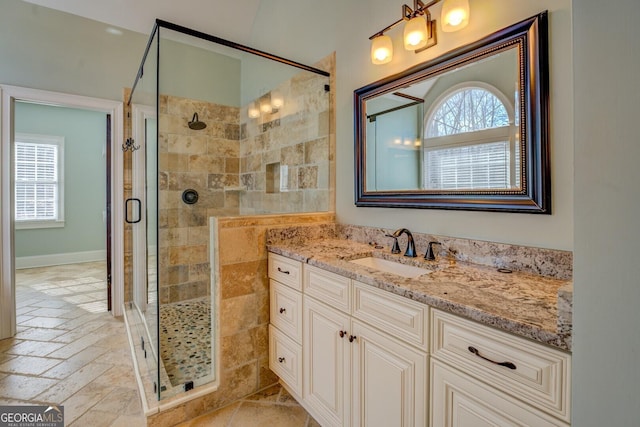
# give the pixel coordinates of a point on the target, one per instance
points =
(230, 19)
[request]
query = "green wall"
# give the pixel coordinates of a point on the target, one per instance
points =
(193, 72)
(42, 48)
(84, 135)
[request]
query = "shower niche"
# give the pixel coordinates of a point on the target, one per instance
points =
(224, 131)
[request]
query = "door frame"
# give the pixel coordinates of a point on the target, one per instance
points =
(139, 114)
(10, 94)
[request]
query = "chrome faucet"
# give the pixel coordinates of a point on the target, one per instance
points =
(411, 247)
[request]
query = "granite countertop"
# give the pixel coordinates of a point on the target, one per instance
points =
(520, 303)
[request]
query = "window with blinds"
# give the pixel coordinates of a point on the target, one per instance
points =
(38, 183)
(469, 141)
(482, 166)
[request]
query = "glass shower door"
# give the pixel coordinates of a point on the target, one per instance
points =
(144, 191)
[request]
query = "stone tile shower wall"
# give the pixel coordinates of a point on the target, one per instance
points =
(207, 161)
(284, 155)
(236, 169)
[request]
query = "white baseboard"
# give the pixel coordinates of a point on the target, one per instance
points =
(59, 259)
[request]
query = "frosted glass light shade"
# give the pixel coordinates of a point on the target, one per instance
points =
(415, 33)
(381, 49)
(455, 15)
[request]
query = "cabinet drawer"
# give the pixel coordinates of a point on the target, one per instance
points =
(330, 288)
(285, 359)
(285, 270)
(538, 375)
(286, 310)
(458, 400)
(398, 316)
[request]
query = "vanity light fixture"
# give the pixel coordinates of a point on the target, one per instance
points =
(419, 28)
(455, 15)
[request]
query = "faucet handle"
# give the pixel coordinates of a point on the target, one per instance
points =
(396, 247)
(430, 255)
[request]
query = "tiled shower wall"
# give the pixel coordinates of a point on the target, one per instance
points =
(284, 155)
(204, 160)
(277, 163)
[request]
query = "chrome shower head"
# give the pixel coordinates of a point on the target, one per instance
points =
(196, 124)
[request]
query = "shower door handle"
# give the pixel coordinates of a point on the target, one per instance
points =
(126, 211)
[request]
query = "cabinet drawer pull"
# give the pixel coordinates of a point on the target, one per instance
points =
(281, 359)
(282, 310)
(352, 338)
(505, 364)
(283, 271)
(343, 333)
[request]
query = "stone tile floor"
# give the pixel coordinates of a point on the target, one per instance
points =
(270, 407)
(69, 350)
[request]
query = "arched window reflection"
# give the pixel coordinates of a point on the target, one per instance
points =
(470, 140)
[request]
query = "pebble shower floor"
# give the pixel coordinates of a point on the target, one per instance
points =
(185, 340)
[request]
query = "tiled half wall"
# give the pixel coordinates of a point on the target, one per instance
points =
(244, 312)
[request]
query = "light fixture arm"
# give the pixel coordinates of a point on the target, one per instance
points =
(419, 29)
(419, 8)
(384, 30)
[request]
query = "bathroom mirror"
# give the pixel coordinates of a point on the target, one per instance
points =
(467, 130)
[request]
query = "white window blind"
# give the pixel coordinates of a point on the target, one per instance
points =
(469, 141)
(38, 193)
(482, 166)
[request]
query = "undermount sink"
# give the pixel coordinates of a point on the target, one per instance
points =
(408, 271)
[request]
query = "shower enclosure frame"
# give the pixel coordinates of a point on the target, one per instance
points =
(204, 36)
(158, 26)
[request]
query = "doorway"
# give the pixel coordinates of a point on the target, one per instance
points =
(60, 196)
(13, 99)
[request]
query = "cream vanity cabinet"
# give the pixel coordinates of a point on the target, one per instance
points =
(364, 353)
(485, 377)
(354, 374)
(355, 355)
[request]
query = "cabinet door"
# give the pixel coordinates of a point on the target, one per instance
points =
(390, 381)
(458, 400)
(326, 362)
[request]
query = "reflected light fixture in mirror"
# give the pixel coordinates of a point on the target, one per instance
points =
(277, 100)
(419, 29)
(253, 111)
(265, 106)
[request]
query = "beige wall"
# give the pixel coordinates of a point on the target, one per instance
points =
(346, 26)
